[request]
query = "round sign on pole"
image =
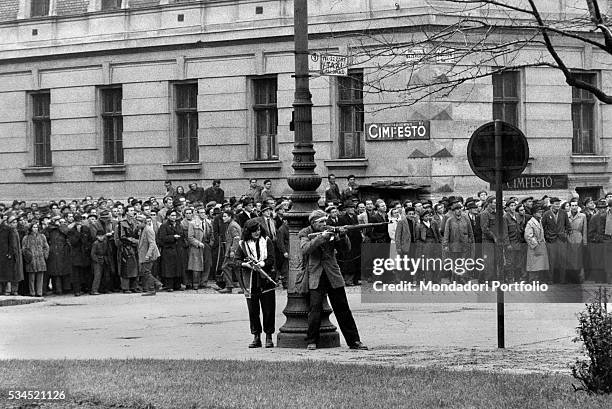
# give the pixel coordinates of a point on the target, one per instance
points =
(481, 152)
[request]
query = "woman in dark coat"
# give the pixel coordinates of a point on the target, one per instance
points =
(36, 244)
(59, 265)
(256, 251)
(172, 240)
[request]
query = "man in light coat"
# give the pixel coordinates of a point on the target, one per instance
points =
(537, 256)
(148, 252)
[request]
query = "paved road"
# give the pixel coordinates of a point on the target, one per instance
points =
(197, 325)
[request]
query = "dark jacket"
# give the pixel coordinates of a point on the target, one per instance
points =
(80, 246)
(214, 194)
(172, 249)
(555, 231)
(378, 234)
(319, 258)
(58, 263)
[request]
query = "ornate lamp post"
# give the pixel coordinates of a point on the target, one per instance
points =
(304, 182)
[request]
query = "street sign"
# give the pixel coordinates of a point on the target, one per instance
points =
(334, 64)
(409, 130)
(481, 152)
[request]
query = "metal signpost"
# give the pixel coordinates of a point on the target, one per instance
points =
(498, 152)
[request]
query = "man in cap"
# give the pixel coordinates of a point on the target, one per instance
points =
(148, 253)
(80, 240)
(324, 277)
(488, 224)
(515, 248)
(597, 243)
(458, 237)
(247, 212)
(556, 230)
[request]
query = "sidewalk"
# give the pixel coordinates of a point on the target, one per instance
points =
(207, 325)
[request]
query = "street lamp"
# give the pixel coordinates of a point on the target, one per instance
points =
(304, 183)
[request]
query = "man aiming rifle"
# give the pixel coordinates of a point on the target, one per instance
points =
(325, 278)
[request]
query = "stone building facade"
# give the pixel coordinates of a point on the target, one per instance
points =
(112, 97)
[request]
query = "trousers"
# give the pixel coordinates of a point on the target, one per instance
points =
(339, 304)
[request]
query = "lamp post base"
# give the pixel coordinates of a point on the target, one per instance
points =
(293, 333)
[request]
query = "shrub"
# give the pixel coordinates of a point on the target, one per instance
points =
(595, 331)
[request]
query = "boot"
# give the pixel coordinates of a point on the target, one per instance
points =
(269, 343)
(256, 342)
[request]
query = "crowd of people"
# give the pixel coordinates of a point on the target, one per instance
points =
(98, 245)
(199, 238)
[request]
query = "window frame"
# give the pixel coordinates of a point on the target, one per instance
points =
(191, 114)
(504, 100)
(269, 109)
(584, 99)
(357, 113)
(113, 154)
(118, 4)
(41, 122)
(34, 11)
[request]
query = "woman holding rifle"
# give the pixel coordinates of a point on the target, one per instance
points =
(256, 251)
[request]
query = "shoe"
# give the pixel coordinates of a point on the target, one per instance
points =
(256, 343)
(358, 345)
(311, 347)
(169, 290)
(240, 291)
(225, 290)
(94, 293)
(126, 291)
(148, 293)
(195, 288)
(77, 294)
(38, 295)
(269, 343)
(136, 290)
(180, 289)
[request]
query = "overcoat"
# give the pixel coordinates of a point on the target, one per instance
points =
(171, 249)
(7, 261)
(37, 243)
(403, 236)
(58, 263)
(11, 266)
(537, 256)
(198, 236)
(80, 246)
(578, 234)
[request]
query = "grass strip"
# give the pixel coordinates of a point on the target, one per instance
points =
(148, 384)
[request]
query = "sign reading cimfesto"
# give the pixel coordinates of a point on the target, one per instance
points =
(397, 131)
(536, 182)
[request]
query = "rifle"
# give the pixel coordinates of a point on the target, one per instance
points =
(253, 265)
(335, 229)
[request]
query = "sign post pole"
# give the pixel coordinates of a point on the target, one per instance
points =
(499, 252)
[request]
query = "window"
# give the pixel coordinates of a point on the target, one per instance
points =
(112, 125)
(506, 97)
(583, 109)
(350, 103)
(187, 122)
(266, 118)
(111, 4)
(41, 128)
(39, 8)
